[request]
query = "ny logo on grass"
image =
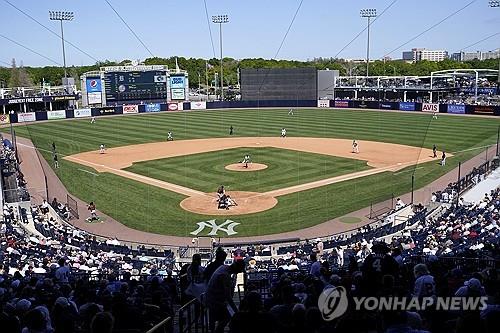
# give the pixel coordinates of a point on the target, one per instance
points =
(227, 227)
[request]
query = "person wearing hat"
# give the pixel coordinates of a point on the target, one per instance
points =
(376, 265)
(471, 287)
(424, 283)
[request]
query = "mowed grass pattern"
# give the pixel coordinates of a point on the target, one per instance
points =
(205, 172)
(152, 209)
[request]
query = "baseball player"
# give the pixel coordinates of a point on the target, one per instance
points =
(283, 132)
(102, 148)
(92, 120)
(435, 115)
(290, 112)
(170, 136)
(231, 130)
(355, 146)
(53, 147)
(443, 158)
(434, 151)
(246, 160)
(56, 161)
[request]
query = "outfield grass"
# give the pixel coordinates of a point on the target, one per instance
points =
(205, 171)
(152, 209)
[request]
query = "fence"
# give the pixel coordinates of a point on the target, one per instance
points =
(164, 326)
(72, 206)
(193, 317)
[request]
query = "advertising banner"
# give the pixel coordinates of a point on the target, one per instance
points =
(94, 98)
(4, 119)
(177, 82)
(341, 104)
(456, 108)
(178, 93)
(175, 106)
(484, 109)
(430, 107)
(80, 113)
(25, 117)
(93, 85)
(107, 110)
(407, 106)
(323, 103)
(130, 109)
(153, 107)
(21, 100)
(57, 114)
(198, 105)
(388, 106)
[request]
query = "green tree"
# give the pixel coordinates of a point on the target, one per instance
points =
(14, 75)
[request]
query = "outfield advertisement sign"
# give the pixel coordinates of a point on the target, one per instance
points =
(484, 109)
(58, 114)
(26, 117)
(175, 106)
(94, 98)
(130, 109)
(93, 85)
(456, 108)
(107, 110)
(81, 113)
(323, 103)
(341, 104)
(407, 106)
(388, 106)
(4, 119)
(153, 107)
(430, 107)
(198, 105)
(178, 93)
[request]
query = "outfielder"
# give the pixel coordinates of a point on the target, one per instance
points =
(355, 147)
(283, 132)
(102, 148)
(435, 115)
(92, 120)
(290, 112)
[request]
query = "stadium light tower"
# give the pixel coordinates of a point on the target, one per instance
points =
(220, 19)
(496, 4)
(62, 16)
(368, 13)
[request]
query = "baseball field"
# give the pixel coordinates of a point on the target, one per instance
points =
(309, 177)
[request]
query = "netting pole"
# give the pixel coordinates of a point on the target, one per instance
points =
(458, 181)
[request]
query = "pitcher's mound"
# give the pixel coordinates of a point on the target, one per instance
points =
(241, 167)
(248, 203)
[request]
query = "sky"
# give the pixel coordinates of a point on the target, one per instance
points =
(255, 29)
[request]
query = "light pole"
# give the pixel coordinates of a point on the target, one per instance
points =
(368, 13)
(62, 16)
(220, 19)
(496, 4)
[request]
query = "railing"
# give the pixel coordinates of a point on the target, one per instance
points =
(164, 326)
(193, 317)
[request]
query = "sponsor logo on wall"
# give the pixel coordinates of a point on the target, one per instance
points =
(407, 106)
(94, 98)
(173, 106)
(58, 114)
(80, 113)
(198, 105)
(456, 108)
(107, 110)
(25, 117)
(323, 103)
(430, 107)
(482, 109)
(4, 119)
(153, 107)
(341, 104)
(130, 109)
(386, 106)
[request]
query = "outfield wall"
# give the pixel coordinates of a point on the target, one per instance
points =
(186, 106)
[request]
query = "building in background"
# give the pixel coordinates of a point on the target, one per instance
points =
(478, 55)
(419, 54)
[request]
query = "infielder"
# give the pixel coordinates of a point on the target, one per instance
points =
(443, 158)
(283, 132)
(434, 151)
(355, 147)
(246, 160)
(102, 148)
(170, 136)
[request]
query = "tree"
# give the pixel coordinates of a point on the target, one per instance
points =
(24, 78)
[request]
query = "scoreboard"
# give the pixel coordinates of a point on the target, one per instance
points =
(135, 85)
